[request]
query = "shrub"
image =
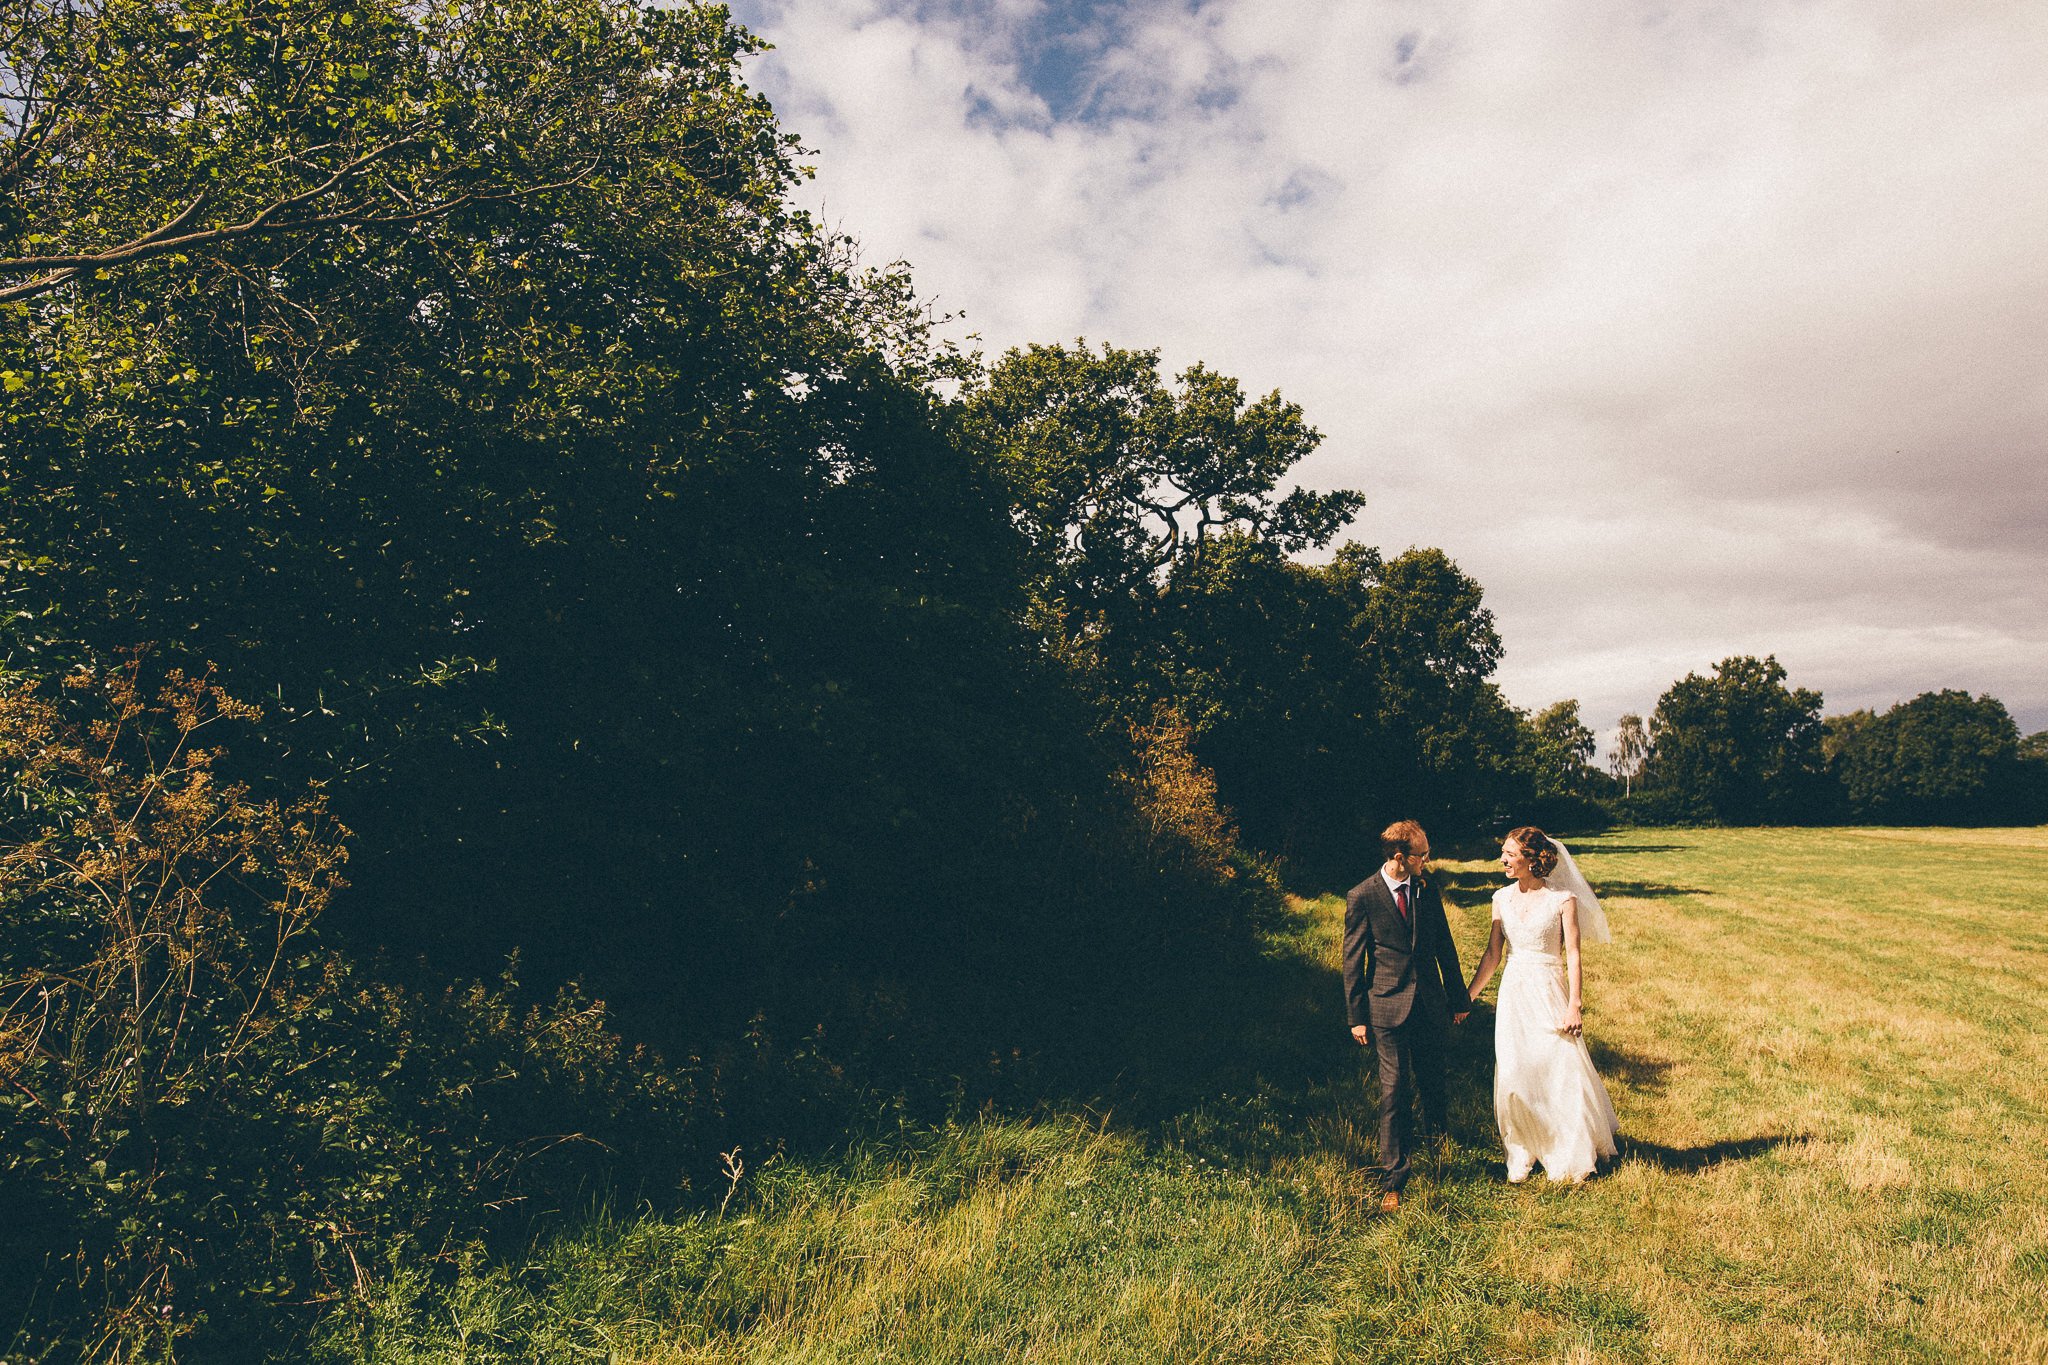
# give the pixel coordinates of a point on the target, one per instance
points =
(1659, 806)
(153, 921)
(212, 1124)
(1573, 813)
(1175, 796)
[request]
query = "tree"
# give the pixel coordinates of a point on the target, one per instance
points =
(1331, 698)
(1561, 750)
(1158, 537)
(1564, 790)
(1115, 477)
(1941, 758)
(1248, 646)
(608, 547)
(1740, 746)
(2033, 777)
(134, 132)
(1449, 741)
(1631, 751)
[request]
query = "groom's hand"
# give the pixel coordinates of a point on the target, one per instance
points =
(1359, 1034)
(1459, 1018)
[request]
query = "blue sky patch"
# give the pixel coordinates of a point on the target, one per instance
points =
(1057, 50)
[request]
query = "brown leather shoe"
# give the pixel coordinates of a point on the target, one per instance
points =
(1390, 1202)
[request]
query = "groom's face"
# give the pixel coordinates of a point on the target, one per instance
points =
(1413, 860)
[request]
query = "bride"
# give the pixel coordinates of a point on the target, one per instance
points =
(1552, 1109)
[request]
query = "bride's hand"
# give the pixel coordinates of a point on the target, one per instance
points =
(1573, 1023)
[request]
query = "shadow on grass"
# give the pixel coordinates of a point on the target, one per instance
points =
(1267, 1071)
(1477, 888)
(1467, 888)
(1613, 890)
(1595, 846)
(1638, 1073)
(1692, 1160)
(1272, 1024)
(1241, 1050)
(1277, 1076)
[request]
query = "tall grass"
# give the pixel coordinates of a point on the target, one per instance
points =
(1826, 1046)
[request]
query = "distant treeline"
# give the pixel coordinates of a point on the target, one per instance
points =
(475, 549)
(1740, 747)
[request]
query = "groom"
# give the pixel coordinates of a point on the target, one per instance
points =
(1402, 992)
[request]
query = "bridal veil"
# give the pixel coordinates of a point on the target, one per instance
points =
(1567, 877)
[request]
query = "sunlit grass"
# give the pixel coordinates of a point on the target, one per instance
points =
(1826, 1047)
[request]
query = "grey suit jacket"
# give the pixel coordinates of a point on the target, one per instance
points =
(1392, 964)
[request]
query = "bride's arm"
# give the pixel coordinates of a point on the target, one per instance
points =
(1483, 973)
(1574, 1017)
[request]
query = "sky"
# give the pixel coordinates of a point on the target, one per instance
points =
(1688, 330)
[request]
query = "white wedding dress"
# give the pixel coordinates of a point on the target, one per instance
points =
(1553, 1110)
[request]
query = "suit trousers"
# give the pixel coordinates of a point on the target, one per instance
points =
(1412, 1056)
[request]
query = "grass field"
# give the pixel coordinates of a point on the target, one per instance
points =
(1827, 1048)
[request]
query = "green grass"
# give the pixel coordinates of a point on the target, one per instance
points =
(1826, 1047)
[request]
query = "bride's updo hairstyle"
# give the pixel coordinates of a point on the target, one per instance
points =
(1539, 848)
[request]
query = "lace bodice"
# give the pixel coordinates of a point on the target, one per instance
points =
(1533, 921)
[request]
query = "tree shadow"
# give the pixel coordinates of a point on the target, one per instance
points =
(1243, 1053)
(1641, 891)
(1594, 846)
(1461, 887)
(1272, 1023)
(1634, 1071)
(1464, 885)
(1272, 1073)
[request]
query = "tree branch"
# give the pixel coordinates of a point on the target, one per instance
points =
(171, 237)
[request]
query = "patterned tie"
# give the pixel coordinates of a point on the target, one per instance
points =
(1401, 900)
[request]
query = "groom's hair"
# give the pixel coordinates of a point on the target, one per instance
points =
(1400, 837)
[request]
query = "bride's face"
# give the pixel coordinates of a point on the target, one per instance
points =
(1512, 862)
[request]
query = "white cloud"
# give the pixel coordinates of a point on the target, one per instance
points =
(1688, 332)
